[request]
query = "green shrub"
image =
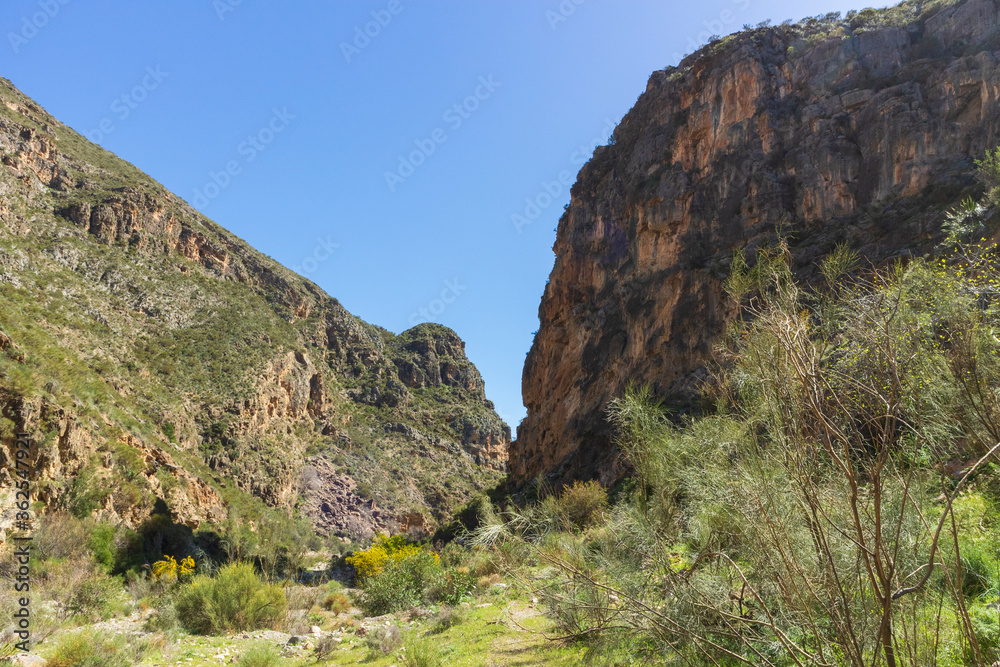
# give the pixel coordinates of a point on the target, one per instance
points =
(583, 504)
(989, 173)
(422, 653)
(7, 428)
(451, 586)
(259, 656)
(400, 584)
(87, 494)
(234, 600)
(169, 431)
(466, 520)
(102, 544)
(94, 649)
(96, 598)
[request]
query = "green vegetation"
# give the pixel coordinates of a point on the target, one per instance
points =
(259, 656)
(96, 649)
(816, 515)
(395, 574)
(234, 600)
(836, 503)
(989, 174)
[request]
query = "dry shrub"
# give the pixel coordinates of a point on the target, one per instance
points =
(304, 597)
(383, 640)
(447, 618)
(297, 622)
(95, 649)
(483, 564)
(60, 535)
(344, 623)
(325, 646)
(338, 603)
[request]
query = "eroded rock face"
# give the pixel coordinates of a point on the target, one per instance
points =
(336, 506)
(862, 135)
(430, 355)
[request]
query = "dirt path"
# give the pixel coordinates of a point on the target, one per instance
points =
(523, 645)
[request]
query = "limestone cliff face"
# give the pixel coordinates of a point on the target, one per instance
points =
(861, 130)
(153, 356)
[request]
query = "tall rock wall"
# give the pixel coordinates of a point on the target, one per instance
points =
(860, 130)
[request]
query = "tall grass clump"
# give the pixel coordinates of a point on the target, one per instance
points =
(259, 656)
(95, 649)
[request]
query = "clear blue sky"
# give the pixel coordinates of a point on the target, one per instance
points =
(180, 87)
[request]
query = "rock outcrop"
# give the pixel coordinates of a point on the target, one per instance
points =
(859, 130)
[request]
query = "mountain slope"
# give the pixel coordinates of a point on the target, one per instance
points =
(860, 130)
(153, 356)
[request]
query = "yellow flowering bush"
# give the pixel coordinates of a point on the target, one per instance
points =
(385, 551)
(169, 568)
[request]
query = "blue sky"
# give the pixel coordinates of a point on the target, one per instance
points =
(382, 149)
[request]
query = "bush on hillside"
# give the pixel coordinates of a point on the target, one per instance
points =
(234, 600)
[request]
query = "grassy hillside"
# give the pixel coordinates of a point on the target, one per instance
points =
(163, 367)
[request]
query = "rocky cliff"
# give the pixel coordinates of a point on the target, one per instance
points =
(860, 129)
(158, 361)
